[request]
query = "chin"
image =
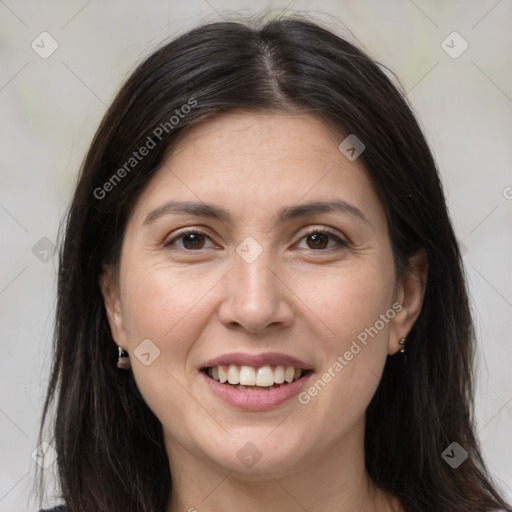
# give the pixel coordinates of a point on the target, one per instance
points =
(253, 453)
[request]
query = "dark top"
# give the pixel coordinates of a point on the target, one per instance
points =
(62, 508)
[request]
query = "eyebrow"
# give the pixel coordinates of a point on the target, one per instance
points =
(201, 209)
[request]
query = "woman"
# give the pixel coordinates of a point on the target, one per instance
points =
(261, 297)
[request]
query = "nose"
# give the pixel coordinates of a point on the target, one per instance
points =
(256, 296)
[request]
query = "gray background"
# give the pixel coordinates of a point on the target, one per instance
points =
(51, 107)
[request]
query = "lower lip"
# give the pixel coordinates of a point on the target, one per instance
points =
(256, 400)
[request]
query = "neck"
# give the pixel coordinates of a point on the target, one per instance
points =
(332, 479)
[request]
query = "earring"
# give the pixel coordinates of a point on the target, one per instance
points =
(123, 361)
(402, 342)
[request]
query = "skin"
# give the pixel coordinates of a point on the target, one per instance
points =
(297, 298)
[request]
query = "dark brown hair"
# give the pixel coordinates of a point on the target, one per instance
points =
(111, 455)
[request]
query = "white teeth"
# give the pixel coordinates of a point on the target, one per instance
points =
(289, 374)
(264, 376)
(223, 376)
(248, 376)
(233, 374)
(279, 374)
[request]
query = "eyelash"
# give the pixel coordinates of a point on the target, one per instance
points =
(312, 231)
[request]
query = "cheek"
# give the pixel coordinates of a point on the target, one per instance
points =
(355, 309)
(169, 307)
(348, 301)
(160, 300)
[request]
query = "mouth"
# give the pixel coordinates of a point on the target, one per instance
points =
(260, 392)
(255, 382)
(251, 378)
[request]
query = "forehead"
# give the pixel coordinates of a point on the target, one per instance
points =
(259, 159)
(262, 136)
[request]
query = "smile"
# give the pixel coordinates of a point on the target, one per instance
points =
(254, 378)
(277, 385)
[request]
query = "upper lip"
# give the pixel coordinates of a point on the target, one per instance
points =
(257, 360)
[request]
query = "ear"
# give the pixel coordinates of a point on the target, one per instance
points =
(410, 292)
(110, 291)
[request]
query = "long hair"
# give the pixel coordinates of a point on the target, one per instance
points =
(111, 454)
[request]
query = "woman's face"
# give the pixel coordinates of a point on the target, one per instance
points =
(269, 284)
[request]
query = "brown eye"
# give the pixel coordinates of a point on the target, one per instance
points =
(319, 240)
(193, 241)
(190, 241)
